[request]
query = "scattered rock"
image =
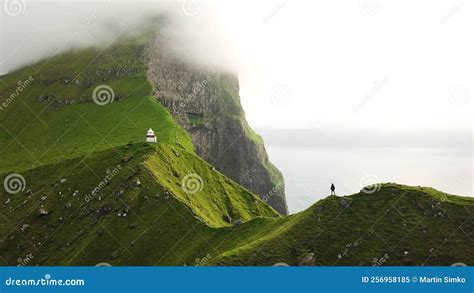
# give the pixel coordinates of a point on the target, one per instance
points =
(138, 183)
(24, 227)
(7, 201)
(42, 212)
(237, 223)
(62, 180)
(345, 203)
(44, 198)
(307, 259)
(68, 205)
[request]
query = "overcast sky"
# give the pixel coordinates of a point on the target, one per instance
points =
(405, 65)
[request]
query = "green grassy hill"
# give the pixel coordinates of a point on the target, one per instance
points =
(95, 192)
(54, 118)
(124, 222)
(395, 225)
(91, 181)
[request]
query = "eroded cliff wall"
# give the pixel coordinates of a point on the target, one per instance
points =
(207, 104)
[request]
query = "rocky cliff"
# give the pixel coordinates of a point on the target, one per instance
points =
(207, 104)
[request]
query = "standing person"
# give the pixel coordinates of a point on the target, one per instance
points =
(333, 189)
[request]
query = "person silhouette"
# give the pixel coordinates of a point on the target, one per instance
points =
(333, 189)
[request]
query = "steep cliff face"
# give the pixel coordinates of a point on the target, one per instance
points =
(207, 104)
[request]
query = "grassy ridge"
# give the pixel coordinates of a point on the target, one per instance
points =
(216, 201)
(96, 193)
(35, 130)
(82, 129)
(402, 225)
(148, 224)
(123, 222)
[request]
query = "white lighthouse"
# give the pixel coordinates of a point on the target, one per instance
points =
(150, 136)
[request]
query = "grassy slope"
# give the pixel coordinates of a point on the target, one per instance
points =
(34, 133)
(411, 225)
(163, 224)
(217, 204)
(160, 230)
(82, 142)
(157, 229)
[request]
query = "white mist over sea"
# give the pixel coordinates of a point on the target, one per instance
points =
(310, 170)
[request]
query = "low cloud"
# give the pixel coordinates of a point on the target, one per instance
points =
(32, 31)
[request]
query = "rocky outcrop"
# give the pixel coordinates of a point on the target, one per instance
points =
(207, 104)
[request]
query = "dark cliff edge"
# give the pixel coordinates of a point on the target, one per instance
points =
(207, 104)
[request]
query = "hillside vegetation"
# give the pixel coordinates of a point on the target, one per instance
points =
(94, 192)
(86, 166)
(54, 118)
(394, 225)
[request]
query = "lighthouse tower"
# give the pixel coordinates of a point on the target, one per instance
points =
(150, 136)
